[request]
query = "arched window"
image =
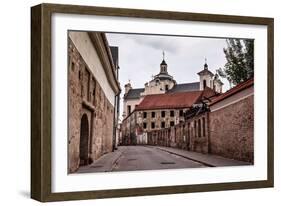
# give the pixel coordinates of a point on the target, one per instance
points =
(204, 83)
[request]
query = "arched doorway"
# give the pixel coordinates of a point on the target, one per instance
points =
(84, 140)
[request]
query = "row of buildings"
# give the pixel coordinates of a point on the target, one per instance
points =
(193, 116)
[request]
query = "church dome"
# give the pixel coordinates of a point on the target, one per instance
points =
(163, 76)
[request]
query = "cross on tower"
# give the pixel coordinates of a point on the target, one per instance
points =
(163, 55)
(205, 65)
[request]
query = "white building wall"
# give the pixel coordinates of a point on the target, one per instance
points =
(154, 87)
(233, 99)
(217, 86)
(132, 103)
(82, 42)
(209, 81)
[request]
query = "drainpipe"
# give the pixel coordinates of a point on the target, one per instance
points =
(114, 128)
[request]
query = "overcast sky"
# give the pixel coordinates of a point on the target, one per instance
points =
(140, 57)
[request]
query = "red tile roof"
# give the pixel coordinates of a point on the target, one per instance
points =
(173, 100)
(234, 90)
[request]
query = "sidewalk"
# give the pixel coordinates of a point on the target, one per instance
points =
(205, 159)
(104, 164)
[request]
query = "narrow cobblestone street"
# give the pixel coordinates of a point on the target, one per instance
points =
(131, 158)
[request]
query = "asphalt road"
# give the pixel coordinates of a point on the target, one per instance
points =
(150, 158)
(131, 158)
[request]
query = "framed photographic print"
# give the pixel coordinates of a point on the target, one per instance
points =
(130, 102)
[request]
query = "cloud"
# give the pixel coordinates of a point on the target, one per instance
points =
(140, 56)
(158, 43)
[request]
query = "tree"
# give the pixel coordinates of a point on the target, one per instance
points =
(239, 55)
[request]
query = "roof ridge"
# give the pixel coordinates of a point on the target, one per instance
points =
(173, 93)
(188, 83)
(241, 86)
(136, 88)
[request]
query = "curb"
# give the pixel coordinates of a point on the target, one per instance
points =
(195, 160)
(114, 163)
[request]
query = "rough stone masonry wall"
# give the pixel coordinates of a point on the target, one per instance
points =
(188, 135)
(232, 130)
(128, 129)
(85, 97)
(103, 124)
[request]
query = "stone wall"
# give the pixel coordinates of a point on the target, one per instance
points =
(189, 135)
(228, 132)
(128, 130)
(232, 130)
(86, 99)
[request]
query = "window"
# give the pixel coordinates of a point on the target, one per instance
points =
(152, 125)
(94, 90)
(89, 86)
(172, 113)
(99, 92)
(94, 95)
(166, 87)
(163, 114)
(144, 115)
(162, 124)
(153, 114)
(172, 123)
(129, 109)
(144, 125)
(204, 132)
(72, 66)
(181, 113)
(204, 84)
(79, 74)
(199, 128)
(195, 131)
(188, 130)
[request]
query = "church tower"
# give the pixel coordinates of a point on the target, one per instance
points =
(206, 77)
(217, 84)
(163, 65)
(160, 83)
